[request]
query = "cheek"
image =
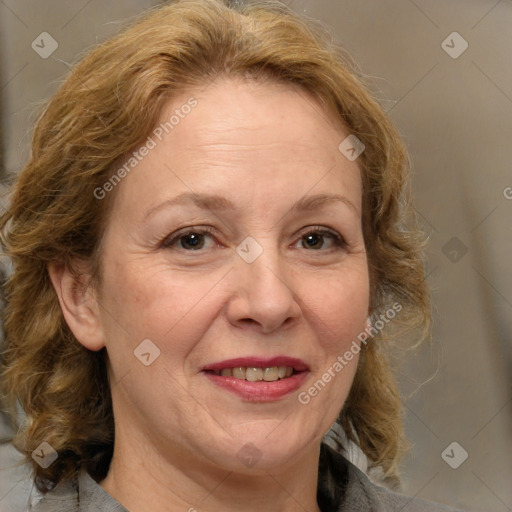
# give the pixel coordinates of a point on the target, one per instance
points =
(170, 308)
(338, 306)
(174, 309)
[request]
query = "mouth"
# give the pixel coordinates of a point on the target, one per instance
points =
(255, 374)
(258, 379)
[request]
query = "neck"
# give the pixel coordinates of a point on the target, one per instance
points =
(178, 482)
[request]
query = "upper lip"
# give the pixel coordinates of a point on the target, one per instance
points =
(259, 362)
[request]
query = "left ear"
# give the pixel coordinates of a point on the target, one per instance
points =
(78, 303)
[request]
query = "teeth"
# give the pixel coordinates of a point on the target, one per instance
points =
(252, 374)
(239, 373)
(270, 374)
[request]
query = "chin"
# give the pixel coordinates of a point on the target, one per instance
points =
(261, 453)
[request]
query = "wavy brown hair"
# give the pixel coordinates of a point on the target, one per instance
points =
(106, 107)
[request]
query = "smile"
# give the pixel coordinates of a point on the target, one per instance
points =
(258, 379)
(253, 374)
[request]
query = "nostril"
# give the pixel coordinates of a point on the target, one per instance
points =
(248, 321)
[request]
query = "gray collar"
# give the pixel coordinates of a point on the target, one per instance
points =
(342, 487)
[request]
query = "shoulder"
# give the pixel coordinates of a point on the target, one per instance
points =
(344, 487)
(63, 498)
(393, 501)
(82, 494)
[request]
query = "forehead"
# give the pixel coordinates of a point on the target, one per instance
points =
(235, 110)
(241, 136)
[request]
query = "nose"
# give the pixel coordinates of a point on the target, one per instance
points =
(263, 295)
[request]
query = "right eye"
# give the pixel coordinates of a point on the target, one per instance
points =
(188, 240)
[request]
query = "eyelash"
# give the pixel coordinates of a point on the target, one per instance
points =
(339, 241)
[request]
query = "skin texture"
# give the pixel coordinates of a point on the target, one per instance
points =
(263, 147)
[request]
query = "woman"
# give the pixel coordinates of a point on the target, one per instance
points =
(210, 261)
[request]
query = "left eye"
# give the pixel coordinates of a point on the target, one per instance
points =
(314, 239)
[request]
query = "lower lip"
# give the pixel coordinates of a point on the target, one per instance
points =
(259, 391)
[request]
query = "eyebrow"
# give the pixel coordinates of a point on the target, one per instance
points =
(215, 202)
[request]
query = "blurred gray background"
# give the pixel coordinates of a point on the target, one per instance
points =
(443, 71)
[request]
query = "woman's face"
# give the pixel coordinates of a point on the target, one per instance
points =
(279, 279)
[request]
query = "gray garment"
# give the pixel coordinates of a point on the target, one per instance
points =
(341, 488)
(87, 496)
